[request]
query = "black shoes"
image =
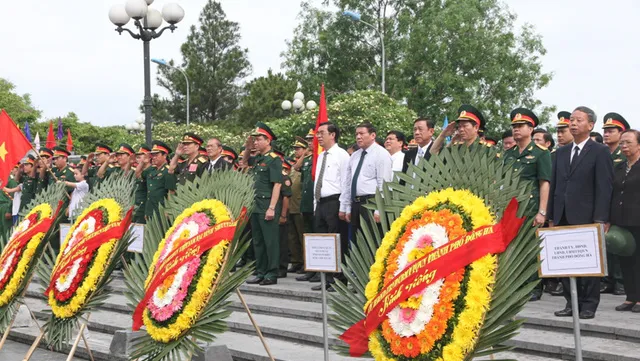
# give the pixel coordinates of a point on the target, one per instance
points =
(625, 307)
(282, 273)
(305, 277)
(268, 282)
(636, 308)
(567, 312)
(606, 287)
(535, 297)
(558, 290)
(618, 290)
(255, 280)
(294, 268)
(587, 315)
(319, 288)
(315, 278)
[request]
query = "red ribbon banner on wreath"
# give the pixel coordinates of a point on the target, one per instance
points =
(434, 266)
(183, 252)
(89, 244)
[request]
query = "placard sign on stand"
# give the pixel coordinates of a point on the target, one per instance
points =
(136, 229)
(322, 254)
(573, 251)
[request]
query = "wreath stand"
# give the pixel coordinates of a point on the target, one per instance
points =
(83, 326)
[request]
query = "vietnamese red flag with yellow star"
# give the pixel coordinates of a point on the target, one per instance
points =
(13, 146)
(322, 118)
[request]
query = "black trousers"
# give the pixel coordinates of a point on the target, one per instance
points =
(328, 221)
(358, 211)
(588, 287)
(631, 269)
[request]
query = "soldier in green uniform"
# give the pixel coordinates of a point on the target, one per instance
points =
(100, 156)
(142, 171)
(533, 162)
(195, 164)
(296, 219)
(230, 156)
(43, 172)
(63, 173)
(470, 120)
(614, 126)
(267, 170)
(285, 200)
(304, 165)
(6, 203)
(160, 182)
(28, 183)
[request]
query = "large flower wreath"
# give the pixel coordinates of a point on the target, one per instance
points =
(17, 257)
(176, 303)
(443, 281)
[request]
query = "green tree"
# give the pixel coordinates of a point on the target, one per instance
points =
(19, 107)
(214, 63)
(347, 111)
(440, 54)
(263, 99)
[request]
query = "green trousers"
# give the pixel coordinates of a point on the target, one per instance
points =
(296, 238)
(266, 245)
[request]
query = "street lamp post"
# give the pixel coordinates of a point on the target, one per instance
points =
(165, 63)
(298, 104)
(356, 17)
(147, 21)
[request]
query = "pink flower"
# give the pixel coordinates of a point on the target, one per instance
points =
(166, 312)
(407, 315)
(424, 241)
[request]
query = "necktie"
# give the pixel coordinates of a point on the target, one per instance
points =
(420, 155)
(354, 180)
(576, 154)
(320, 176)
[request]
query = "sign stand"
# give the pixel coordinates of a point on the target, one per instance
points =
(570, 252)
(322, 255)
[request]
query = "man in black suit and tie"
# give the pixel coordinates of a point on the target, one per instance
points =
(214, 152)
(423, 129)
(581, 188)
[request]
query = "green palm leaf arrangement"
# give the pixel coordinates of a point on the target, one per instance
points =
(482, 173)
(51, 196)
(59, 330)
(235, 191)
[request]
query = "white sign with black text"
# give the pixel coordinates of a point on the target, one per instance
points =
(573, 251)
(322, 252)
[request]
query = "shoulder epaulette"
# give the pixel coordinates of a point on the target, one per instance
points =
(203, 159)
(542, 147)
(488, 145)
(274, 155)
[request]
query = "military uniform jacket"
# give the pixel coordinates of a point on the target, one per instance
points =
(44, 181)
(92, 176)
(29, 187)
(140, 196)
(534, 165)
(306, 203)
(111, 170)
(267, 170)
(296, 192)
(285, 190)
(159, 183)
(188, 171)
(617, 157)
(64, 174)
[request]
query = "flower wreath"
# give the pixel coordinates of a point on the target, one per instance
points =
(68, 292)
(442, 321)
(176, 303)
(16, 260)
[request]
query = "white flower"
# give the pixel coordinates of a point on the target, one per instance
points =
(20, 228)
(63, 286)
(192, 230)
(89, 224)
(172, 291)
(7, 263)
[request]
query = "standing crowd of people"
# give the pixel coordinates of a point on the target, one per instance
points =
(578, 182)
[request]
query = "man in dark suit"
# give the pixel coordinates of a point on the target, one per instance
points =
(423, 129)
(580, 192)
(214, 152)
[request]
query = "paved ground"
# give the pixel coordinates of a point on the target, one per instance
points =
(14, 351)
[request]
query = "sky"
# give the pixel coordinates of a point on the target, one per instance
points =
(67, 55)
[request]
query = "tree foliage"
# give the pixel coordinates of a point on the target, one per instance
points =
(214, 63)
(18, 107)
(440, 54)
(263, 99)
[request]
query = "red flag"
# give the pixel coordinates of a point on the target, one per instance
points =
(51, 140)
(69, 140)
(322, 117)
(13, 146)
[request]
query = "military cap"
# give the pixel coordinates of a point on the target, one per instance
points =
(60, 152)
(613, 120)
(481, 132)
(524, 116)
(103, 148)
(471, 114)
(310, 134)
(190, 137)
(143, 149)
(286, 164)
(202, 151)
(563, 119)
(46, 152)
(30, 160)
(264, 130)
(229, 152)
(490, 140)
(125, 148)
(301, 143)
(279, 154)
(83, 160)
(160, 146)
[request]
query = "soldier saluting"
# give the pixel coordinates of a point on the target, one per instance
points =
(195, 164)
(470, 120)
(160, 182)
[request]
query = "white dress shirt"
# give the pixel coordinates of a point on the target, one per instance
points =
(398, 161)
(376, 169)
(212, 163)
(81, 190)
(335, 172)
(580, 147)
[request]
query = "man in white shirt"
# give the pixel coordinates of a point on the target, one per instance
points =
(214, 152)
(80, 189)
(331, 171)
(423, 129)
(368, 168)
(393, 144)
